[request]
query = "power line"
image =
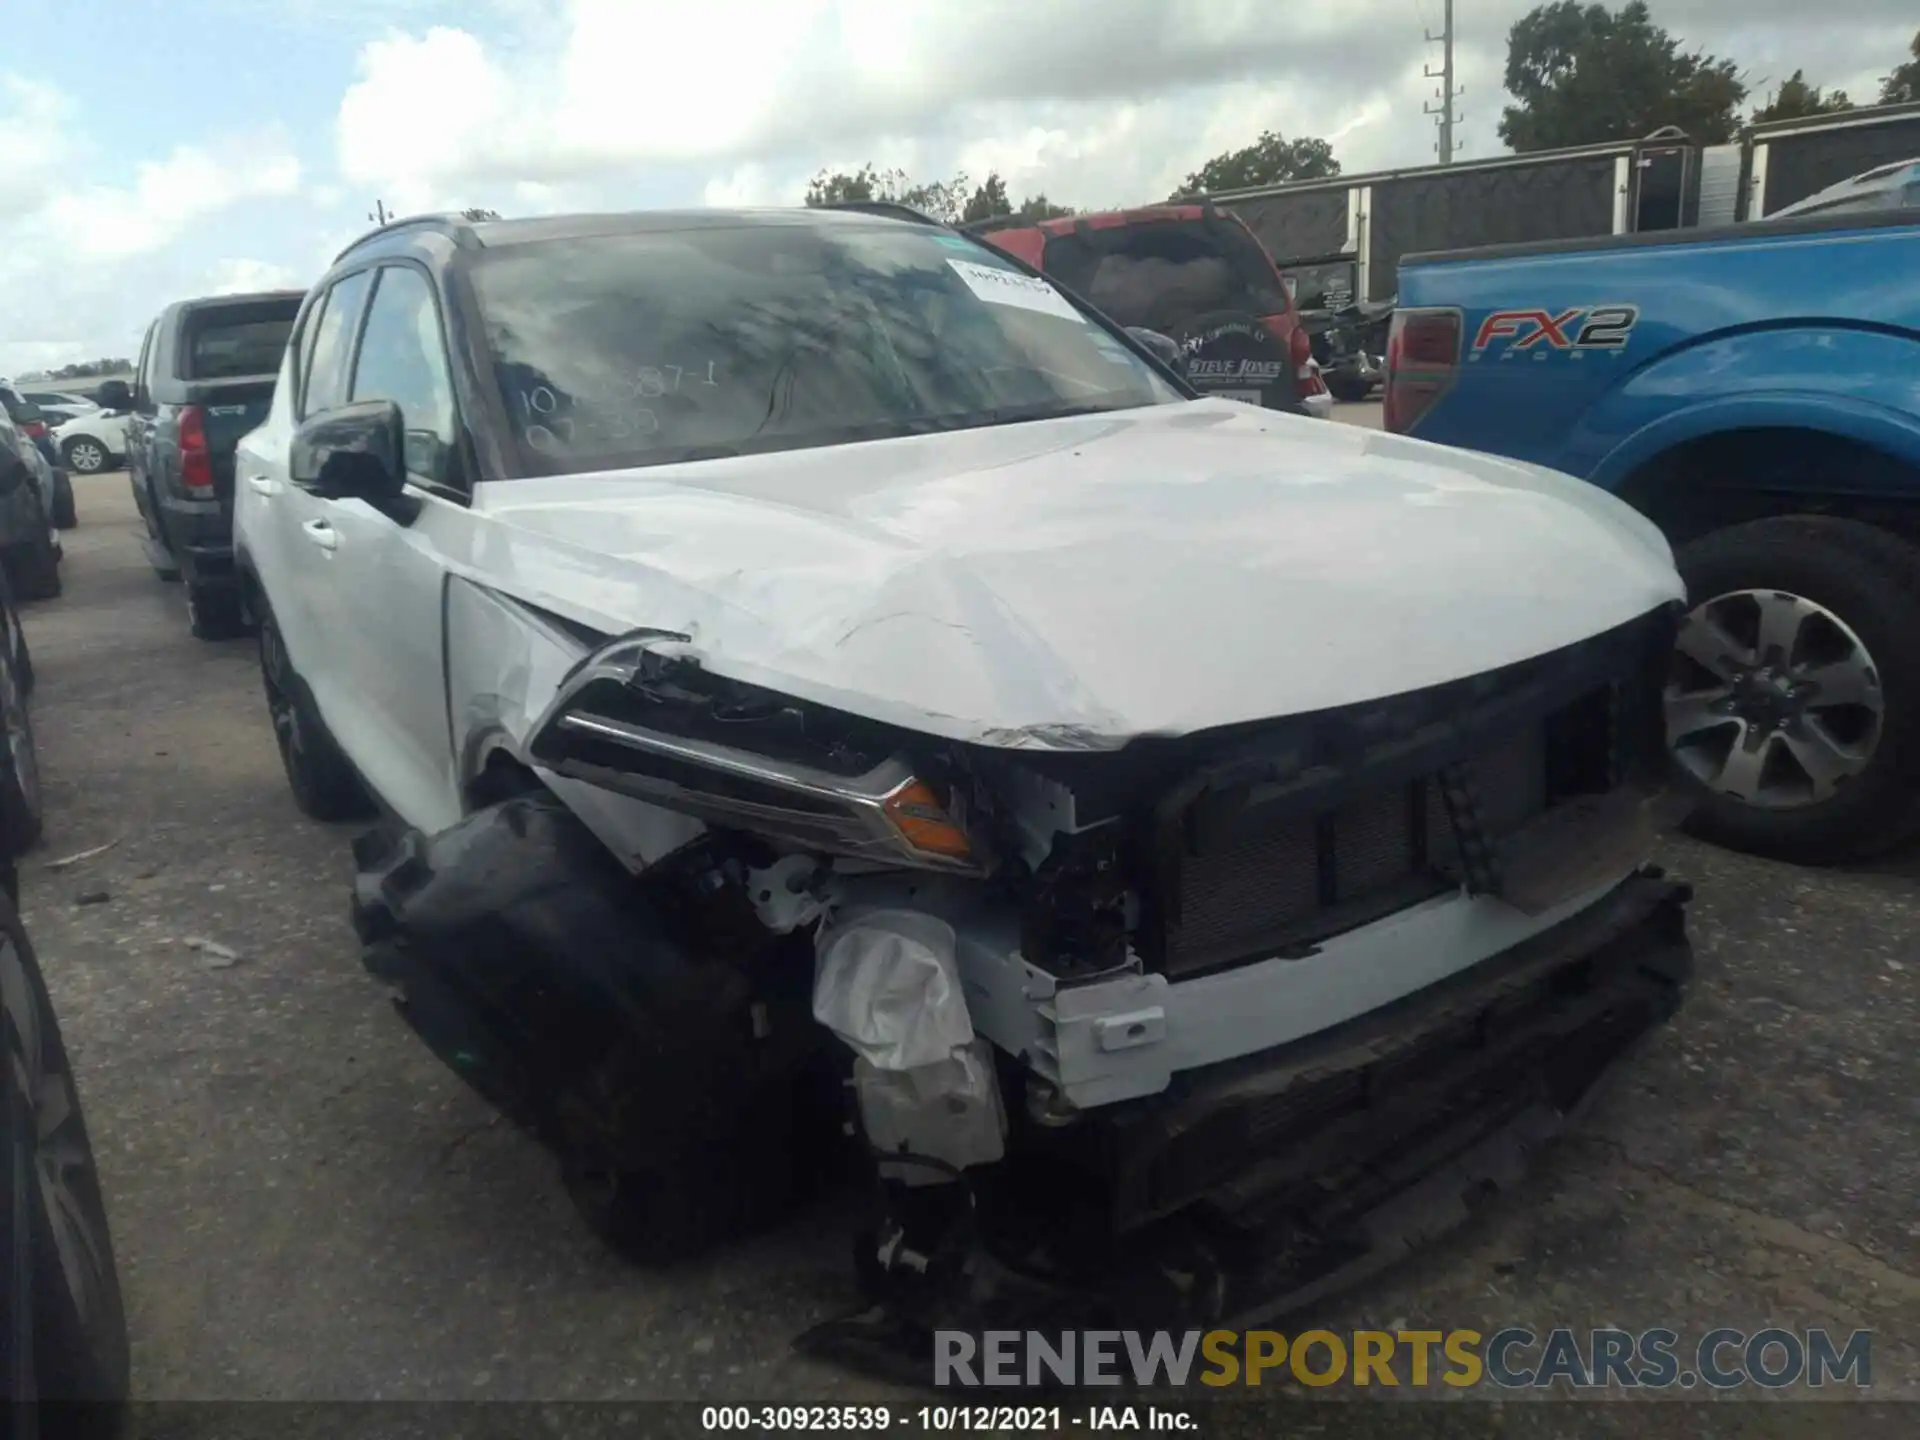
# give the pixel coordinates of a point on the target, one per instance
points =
(1448, 93)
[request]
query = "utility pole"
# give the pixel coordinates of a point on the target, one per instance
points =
(1448, 94)
(380, 216)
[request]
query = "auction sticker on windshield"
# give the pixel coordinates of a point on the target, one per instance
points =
(1010, 287)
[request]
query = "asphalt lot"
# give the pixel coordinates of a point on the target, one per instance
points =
(307, 1206)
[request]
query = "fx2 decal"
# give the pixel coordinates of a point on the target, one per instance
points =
(1580, 331)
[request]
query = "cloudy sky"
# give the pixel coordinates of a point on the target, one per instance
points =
(151, 149)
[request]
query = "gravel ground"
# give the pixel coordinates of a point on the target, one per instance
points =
(307, 1206)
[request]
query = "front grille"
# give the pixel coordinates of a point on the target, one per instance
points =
(1278, 875)
(1310, 875)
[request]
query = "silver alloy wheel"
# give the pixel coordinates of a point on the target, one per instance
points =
(61, 1162)
(86, 456)
(1773, 700)
(19, 731)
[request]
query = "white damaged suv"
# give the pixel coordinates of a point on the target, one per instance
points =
(785, 647)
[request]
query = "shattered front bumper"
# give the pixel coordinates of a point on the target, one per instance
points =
(1256, 1187)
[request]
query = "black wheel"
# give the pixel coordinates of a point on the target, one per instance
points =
(85, 455)
(214, 612)
(33, 569)
(64, 1315)
(20, 802)
(1793, 710)
(1350, 388)
(16, 638)
(65, 517)
(730, 1169)
(323, 783)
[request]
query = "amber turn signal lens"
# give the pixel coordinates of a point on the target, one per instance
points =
(916, 812)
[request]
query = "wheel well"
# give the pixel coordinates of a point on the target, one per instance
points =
(501, 778)
(1739, 475)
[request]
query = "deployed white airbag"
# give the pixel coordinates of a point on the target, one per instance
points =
(887, 982)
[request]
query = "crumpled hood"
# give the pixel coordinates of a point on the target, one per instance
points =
(1081, 581)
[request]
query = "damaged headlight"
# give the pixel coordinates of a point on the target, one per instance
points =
(643, 718)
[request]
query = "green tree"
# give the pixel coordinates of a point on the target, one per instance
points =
(954, 201)
(942, 199)
(857, 187)
(1584, 74)
(1270, 160)
(1903, 85)
(1795, 100)
(1036, 208)
(477, 213)
(989, 200)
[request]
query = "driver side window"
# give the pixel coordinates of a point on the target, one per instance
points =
(403, 359)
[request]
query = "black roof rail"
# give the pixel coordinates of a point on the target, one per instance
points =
(891, 208)
(455, 226)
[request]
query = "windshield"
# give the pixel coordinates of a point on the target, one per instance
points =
(642, 349)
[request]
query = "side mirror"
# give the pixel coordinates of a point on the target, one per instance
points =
(1165, 350)
(356, 452)
(114, 395)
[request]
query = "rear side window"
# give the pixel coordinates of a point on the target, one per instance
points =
(229, 342)
(21, 412)
(1165, 274)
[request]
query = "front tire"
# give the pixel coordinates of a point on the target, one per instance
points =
(65, 516)
(33, 569)
(1793, 712)
(21, 807)
(324, 785)
(73, 1312)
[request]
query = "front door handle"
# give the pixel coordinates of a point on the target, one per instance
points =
(261, 484)
(322, 534)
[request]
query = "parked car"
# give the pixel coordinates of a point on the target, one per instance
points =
(61, 1310)
(32, 423)
(30, 551)
(1192, 272)
(60, 405)
(1751, 390)
(205, 378)
(94, 442)
(802, 645)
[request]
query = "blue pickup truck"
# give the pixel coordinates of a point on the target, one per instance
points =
(1755, 391)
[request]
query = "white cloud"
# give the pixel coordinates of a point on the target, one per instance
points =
(531, 107)
(1093, 101)
(239, 277)
(170, 195)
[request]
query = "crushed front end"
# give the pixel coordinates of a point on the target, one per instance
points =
(1176, 1031)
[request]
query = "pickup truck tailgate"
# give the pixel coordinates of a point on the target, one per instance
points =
(227, 411)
